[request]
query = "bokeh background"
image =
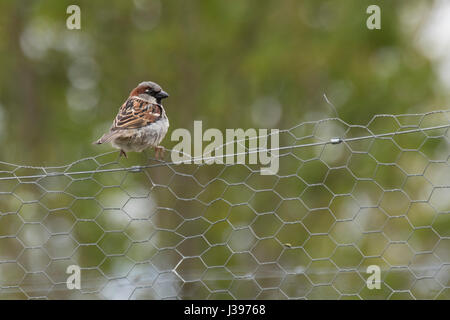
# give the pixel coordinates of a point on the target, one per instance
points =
(217, 231)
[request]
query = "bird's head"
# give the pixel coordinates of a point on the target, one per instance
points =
(149, 91)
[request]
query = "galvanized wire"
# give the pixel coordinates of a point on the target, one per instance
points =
(345, 197)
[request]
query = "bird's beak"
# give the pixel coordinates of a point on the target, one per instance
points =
(162, 95)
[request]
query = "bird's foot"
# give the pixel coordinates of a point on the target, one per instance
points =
(122, 153)
(159, 152)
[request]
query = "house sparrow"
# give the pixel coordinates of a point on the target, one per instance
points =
(141, 121)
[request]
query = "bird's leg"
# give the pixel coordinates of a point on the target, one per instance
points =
(159, 152)
(122, 153)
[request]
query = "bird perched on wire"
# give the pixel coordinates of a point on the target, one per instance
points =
(141, 122)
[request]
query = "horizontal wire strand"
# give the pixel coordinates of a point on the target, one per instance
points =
(335, 140)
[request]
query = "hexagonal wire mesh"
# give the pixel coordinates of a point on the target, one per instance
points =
(345, 197)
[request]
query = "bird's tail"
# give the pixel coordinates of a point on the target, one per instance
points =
(107, 137)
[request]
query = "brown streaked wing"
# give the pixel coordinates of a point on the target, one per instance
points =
(136, 113)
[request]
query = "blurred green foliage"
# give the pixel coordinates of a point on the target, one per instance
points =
(61, 88)
(329, 213)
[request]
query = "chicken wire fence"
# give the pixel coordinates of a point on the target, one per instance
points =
(345, 197)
